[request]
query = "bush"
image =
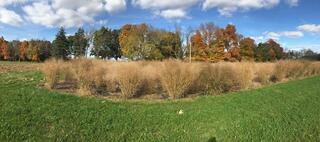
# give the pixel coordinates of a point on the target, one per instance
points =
(244, 74)
(129, 78)
(292, 70)
(263, 73)
(89, 77)
(52, 71)
(176, 77)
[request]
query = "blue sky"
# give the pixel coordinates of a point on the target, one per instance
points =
(294, 23)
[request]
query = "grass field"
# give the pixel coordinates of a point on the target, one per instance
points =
(283, 112)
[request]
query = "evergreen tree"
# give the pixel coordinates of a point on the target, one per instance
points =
(79, 43)
(60, 47)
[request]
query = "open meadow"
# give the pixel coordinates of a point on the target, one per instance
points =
(30, 111)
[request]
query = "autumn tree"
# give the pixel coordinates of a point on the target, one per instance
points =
(33, 51)
(14, 47)
(208, 43)
(4, 48)
(60, 45)
(278, 50)
(198, 47)
(137, 44)
(247, 46)
(231, 43)
(23, 51)
(269, 51)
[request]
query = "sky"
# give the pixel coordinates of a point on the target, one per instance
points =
(295, 24)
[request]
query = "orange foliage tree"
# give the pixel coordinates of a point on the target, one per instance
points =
(247, 46)
(231, 43)
(23, 50)
(208, 43)
(4, 48)
(33, 51)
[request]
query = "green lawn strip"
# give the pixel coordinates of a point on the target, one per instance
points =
(282, 112)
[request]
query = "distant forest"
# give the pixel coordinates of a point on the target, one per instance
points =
(208, 43)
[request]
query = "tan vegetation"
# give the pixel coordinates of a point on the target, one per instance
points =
(14, 67)
(170, 79)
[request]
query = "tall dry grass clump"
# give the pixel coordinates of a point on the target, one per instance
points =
(244, 74)
(52, 70)
(89, 77)
(263, 73)
(177, 77)
(129, 78)
(151, 77)
(292, 70)
(216, 78)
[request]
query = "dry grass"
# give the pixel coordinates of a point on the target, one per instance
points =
(52, 70)
(130, 79)
(293, 70)
(89, 76)
(17, 66)
(173, 79)
(264, 72)
(176, 77)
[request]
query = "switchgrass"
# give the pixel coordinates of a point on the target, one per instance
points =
(176, 77)
(294, 69)
(171, 79)
(52, 70)
(130, 79)
(264, 72)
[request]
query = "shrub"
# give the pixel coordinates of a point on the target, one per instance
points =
(129, 78)
(176, 77)
(244, 74)
(52, 71)
(263, 73)
(151, 79)
(292, 70)
(89, 77)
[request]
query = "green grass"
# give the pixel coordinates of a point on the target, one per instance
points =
(283, 112)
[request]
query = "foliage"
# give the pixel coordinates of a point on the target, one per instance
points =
(106, 44)
(60, 45)
(143, 42)
(247, 45)
(79, 43)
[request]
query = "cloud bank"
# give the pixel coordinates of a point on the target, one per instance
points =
(75, 13)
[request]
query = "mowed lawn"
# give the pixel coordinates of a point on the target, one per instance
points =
(283, 112)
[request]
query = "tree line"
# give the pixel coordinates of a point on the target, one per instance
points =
(207, 42)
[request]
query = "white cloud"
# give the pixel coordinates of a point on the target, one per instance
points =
(313, 28)
(227, 7)
(173, 13)
(70, 13)
(278, 35)
(258, 39)
(313, 47)
(10, 17)
(272, 35)
(293, 2)
(292, 34)
(114, 6)
(11, 2)
(170, 9)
